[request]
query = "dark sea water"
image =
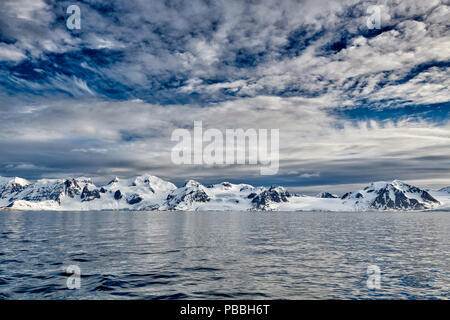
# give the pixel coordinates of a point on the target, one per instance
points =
(233, 255)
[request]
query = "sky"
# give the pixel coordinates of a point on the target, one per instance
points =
(353, 104)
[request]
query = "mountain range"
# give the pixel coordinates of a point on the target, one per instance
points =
(148, 192)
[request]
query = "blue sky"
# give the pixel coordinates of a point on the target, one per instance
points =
(353, 105)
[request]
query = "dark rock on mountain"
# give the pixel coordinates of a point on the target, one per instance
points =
(71, 188)
(392, 196)
(395, 196)
(346, 195)
(251, 195)
(191, 192)
(44, 191)
(246, 187)
(115, 180)
(117, 195)
(355, 195)
(273, 195)
(227, 185)
(11, 187)
(134, 198)
(87, 195)
(190, 196)
(400, 201)
(198, 196)
(326, 195)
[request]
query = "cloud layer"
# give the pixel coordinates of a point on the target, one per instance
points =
(352, 104)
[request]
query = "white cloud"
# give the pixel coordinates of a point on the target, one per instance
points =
(310, 175)
(313, 143)
(10, 53)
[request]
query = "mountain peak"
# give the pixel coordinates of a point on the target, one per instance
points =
(326, 195)
(115, 180)
(20, 181)
(396, 195)
(192, 184)
(16, 180)
(446, 189)
(148, 192)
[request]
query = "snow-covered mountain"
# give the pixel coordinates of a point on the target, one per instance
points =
(191, 194)
(446, 189)
(326, 195)
(391, 196)
(140, 193)
(270, 199)
(443, 196)
(9, 186)
(148, 192)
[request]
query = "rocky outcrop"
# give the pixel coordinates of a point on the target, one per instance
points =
(9, 187)
(392, 196)
(191, 192)
(89, 195)
(117, 195)
(71, 188)
(266, 198)
(326, 195)
(134, 198)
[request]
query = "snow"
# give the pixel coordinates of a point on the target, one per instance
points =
(148, 192)
(306, 203)
(446, 189)
(47, 205)
(227, 197)
(20, 181)
(443, 197)
(15, 180)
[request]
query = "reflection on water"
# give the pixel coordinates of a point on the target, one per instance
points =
(234, 255)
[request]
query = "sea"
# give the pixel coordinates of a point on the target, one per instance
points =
(224, 255)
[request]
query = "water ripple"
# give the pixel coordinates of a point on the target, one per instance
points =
(228, 255)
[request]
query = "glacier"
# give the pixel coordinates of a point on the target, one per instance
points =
(148, 192)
